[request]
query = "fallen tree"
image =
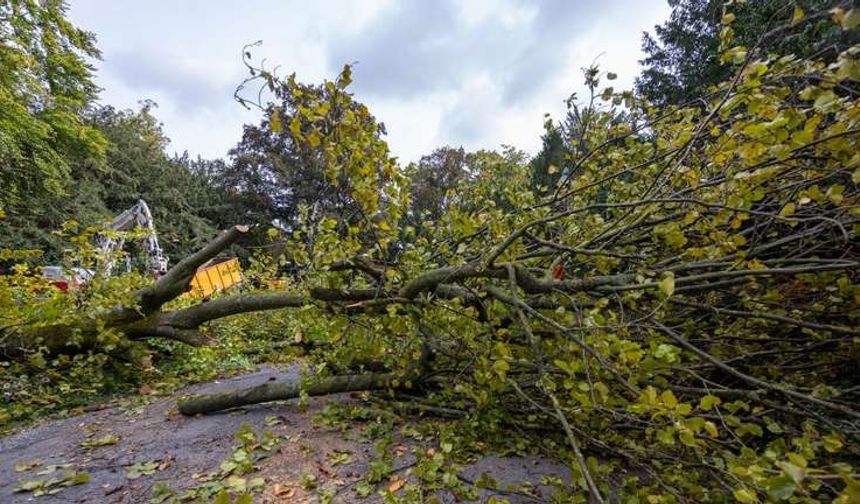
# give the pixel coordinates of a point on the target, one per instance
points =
(682, 304)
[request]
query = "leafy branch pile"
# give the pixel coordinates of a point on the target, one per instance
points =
(704, 334)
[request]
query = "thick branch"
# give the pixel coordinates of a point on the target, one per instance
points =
(279, 391)
(177, 279)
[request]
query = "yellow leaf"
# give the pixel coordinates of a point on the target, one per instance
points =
(797, 16)
(667, 284)
(296, 126)
(834, 193)
(787, 210)
(711, 429)
(851, 20)
(669, 399)
(824, 100)
(838, 14)
(849, 68)
(832, 443)
(745, 496)
(707, 403)
(755, 264)
(275, 120)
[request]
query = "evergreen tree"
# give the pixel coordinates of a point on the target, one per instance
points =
(682, 56)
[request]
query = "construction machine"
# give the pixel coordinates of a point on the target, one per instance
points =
(216, 275)
(136, 216)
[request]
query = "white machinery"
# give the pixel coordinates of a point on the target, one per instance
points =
(136, 216)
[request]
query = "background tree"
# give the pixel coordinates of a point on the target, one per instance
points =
(552, 159)
(184, 202)
(298, 163)
(140, 168)
(567, 143)
(45, 87)
(682, 56)
(434, 183)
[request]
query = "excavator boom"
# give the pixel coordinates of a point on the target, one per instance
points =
(136, 216)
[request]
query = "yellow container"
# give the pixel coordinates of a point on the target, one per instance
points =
(216, 275)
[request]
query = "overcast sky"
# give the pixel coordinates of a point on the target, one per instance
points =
(477, 73)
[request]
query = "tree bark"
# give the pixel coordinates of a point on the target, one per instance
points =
(143, 319)
(279, 391)
(282, 390)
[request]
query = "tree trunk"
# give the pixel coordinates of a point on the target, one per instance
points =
(278, 391)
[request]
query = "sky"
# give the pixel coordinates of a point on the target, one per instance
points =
(472, 73)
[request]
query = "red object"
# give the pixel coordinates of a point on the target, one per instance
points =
(558, 272)
(62, 285)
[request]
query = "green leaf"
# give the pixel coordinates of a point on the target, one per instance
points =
(237, 483)
(707, 403)
(668, 353)
(142, 469)
(669, 399)
(501, 367)
(796, 472)
(80, 478)
(28, 485)
(228, 466)
(345, 78)
(745, 496)
(780, 487)
(364, 489)
(223, 498)
(667, 284)
(244, 499)
(108, 439)
(711, 429)
(666, 436)
(338, 457)
(26, 465)
(832, 443)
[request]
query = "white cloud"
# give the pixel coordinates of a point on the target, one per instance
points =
(478, 73)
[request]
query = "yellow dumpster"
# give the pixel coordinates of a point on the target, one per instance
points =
(216, 275)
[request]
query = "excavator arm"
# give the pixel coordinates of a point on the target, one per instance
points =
(136, 216)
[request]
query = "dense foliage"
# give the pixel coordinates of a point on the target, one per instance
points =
(682, 56)
(673, 313)
(63, 158)
(45, 85)
(183, 201)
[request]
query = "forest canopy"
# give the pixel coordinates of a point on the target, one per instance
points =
(665, 298)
